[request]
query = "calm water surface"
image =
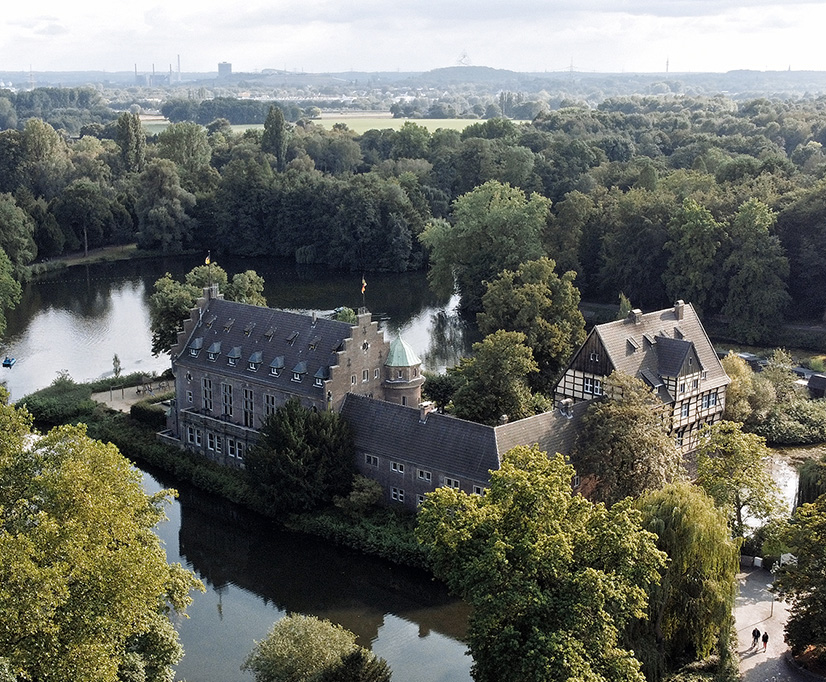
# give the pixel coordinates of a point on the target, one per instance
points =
(78, 319)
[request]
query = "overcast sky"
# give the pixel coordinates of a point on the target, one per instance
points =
(383, 35)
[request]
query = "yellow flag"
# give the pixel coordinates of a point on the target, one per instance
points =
(363, 284)
(206, 260)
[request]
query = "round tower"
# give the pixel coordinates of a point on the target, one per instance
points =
(403, 375)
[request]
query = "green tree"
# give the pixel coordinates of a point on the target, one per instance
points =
(10, 291)
(495, 228)
(440, 388)
(84, 214)
(275, 138)
(494, 382)
(689, 610)
(756, 269)
(302, 458)
(543, 306)
(16, 234)
(306, 649)
(132, 142)
(85, 589)
(188, 146)
(623, 442)
(694, 239)
(802, 582)
(552, 578)
(734, 468)
(247, 287)
(162, 207)
(45, 156)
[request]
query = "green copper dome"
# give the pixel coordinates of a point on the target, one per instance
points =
(401, 354)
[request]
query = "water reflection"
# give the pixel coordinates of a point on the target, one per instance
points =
(78, 318)
(255, 573)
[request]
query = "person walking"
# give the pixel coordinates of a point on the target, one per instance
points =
(765, 641)
(755, 637)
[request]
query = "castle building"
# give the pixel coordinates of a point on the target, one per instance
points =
(235, 364)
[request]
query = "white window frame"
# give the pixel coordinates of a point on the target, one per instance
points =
(397, 494)
(398, 467)
(451, 482)
(424, 475)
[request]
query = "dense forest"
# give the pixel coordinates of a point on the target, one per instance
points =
(718, 202)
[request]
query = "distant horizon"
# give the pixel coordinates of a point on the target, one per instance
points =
(323, 36)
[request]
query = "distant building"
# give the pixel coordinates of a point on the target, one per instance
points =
(224, 69)
(668, 350)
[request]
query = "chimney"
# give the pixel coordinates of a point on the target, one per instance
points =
(635, 316)
(678, 309)
(565, 407)
(503, 420)
(314, 319)
(425, 409)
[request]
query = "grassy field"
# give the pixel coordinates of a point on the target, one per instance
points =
(357, 123)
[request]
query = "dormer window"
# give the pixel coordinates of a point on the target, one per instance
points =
(211, 320)
(277, 365)
(234, 356)
(314, 342)
(321, 376)
(299, 371)
(229, 323)
(214, 351)
(248, 329)
(195, 346)
(292, 337)
(269, 333)
(254, 361)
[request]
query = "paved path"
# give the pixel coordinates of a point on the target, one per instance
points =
(755, 607)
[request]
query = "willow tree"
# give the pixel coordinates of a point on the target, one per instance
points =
(689, 610)
(553, 578)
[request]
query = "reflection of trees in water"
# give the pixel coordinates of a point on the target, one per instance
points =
(451, 338)
(298, 573)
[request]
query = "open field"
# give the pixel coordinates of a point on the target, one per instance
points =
(355, 121)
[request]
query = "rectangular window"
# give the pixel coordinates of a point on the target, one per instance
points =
(198, 437)
(577, 481)
(419, 500)
(232, 361)
(269, 405)
(296, 376)
(219, 444)
(597, 387)
(189, 396)
(684, 410)
(206, 391)
(353, 380)
(249, 408)
(241, 445)
(210, 440)
(371, 460)
(452, 482)
(695, 383)
(398, 467)
(190, 434)
(425, 475)
(678, 441)
(709, 400)
(231, 451)
(376, 373)
(226, 399)
(397, 494)
(478, 490)
(588, 384)
(682, 387)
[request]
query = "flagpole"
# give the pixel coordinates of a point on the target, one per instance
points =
(363, 288)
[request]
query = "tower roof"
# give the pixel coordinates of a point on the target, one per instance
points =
(401, 354)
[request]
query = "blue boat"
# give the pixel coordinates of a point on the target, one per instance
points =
(8, 362)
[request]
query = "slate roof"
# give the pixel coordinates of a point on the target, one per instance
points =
(273, 338)
(448, 444)
(673, 339)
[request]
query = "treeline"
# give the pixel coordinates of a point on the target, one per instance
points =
(658, 198)
(63, 108)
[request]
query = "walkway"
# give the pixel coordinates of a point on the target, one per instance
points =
(756, 608)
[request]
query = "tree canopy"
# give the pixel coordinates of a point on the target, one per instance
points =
(734, 468)
(494, 382)
(495, 227)
(689, 610)
(801, 582)
(306, 649)
(623, 442)
(85, 588)
(543, 306)
(553, 578)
